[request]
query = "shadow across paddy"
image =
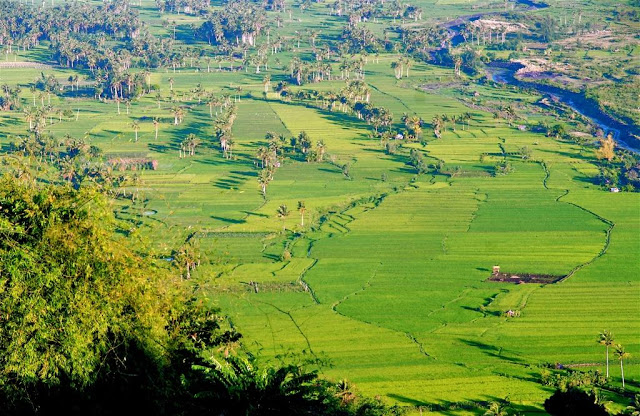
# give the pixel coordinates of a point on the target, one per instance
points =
(228, 220)
(255, 214)
(479, 407)
(492, 351)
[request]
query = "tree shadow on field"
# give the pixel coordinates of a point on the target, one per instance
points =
(329, 170)
(158, 148)
(492, 313)
(343, 119)
(255, 214)
(228, 183)
(492, 351)
(443, 407)
(562, 153)
(177, 134)
(244, 173)
(228, 220)
(407, 400)
(585, 179)
(516, 408)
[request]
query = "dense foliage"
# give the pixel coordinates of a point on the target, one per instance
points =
(90, 326)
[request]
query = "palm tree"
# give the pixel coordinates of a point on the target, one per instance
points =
(407, 63)
(345, 392)
(606, 338)
(302, 209)
(496, 409)
(30, 116)
(136, 127)
(414, 125)
(178, 114)
(212, 101)
(156, 123)
(263, 155)
(283, 212)
(321, 148)
(266, 82)
(263, 179)
(622, 355)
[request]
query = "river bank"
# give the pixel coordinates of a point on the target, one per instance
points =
(506, 73)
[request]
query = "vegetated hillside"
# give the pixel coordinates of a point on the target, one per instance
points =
(341, 178)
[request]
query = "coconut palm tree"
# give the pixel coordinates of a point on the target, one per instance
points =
(622, 355)
(302, 209)
(156, 123)
(266, 83)
(606, 338)
(178, 114)
(321, 149)
(344, 391)
(283, 212)
(407, 63)
(263, 179)
(30, 116)
(263, 155)
(397, 68)
(496, 409)
(136, 127)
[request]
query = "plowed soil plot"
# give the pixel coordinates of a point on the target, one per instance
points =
(524, 278)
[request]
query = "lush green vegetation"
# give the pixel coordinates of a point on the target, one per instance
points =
(334, 181)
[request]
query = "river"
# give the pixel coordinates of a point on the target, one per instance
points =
(504, 72)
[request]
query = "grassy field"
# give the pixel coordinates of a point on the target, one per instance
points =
(388, 277)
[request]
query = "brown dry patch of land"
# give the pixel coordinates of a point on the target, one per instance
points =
(601, 39)
(521, 278)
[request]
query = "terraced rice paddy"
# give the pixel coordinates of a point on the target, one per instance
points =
(387, 279)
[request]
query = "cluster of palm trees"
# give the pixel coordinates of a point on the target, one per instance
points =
(606, 338)
(185, 6)
(10, 98)
(358, 11)
(283, 212)
(439, 123)
(188, 145)
(271, 156)
(401, 66)
(353, 98)
(508, 113)
(414, 125)
(76, 162)
(39, 117)
(223, 126)
(238, 23)
(420, 41)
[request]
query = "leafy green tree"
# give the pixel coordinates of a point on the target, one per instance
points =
(72, 292)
